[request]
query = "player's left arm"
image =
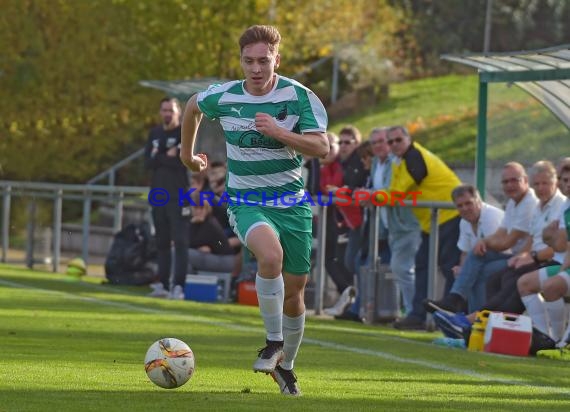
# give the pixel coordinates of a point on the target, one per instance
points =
(311, 143)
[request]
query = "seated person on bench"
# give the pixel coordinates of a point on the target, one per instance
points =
(209, 248)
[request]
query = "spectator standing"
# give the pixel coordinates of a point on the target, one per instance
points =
(354, 176)
(404, 235)
(162, 158)
(418, 170)
(330, 176)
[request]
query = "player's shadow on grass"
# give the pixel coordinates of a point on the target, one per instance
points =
(147, 397)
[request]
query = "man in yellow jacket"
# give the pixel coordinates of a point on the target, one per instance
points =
(415, 170)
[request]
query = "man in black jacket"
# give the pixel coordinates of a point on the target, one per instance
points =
(355, 176)
(171, 221)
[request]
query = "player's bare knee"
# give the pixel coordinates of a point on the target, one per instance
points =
(294, 293)
(292, 298)
(271, 260)
(294, 304)
(551, 292)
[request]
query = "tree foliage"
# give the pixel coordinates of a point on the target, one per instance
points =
(71, 104)
(435, 27)
(70, 99)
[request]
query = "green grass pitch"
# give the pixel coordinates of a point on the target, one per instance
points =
(81, 346)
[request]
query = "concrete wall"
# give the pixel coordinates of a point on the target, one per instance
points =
(493, 189)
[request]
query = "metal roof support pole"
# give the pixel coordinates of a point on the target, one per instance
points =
(30, 231)
(86, 227)
(433, 263)
(57, 217)
(481, 138)
(334, 88)
(6, 200)
(369, 274)
(320, 273)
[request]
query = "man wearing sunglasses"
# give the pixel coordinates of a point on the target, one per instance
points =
(416, 169)
(354, 175)
(399, 223)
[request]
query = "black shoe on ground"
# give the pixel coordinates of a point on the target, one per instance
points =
(452, 302)
(287, 381)
(409, 323)
(383, 320)
(269, 357)
(540, 341)
(347, 315)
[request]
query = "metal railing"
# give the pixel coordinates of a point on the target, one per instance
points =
(57, 193)
(111, 172)
(374, 261)
(117, 195)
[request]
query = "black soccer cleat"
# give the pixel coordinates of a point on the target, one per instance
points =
(269, 357)
(287, 381)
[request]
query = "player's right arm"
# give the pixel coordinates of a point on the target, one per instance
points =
(190, 122)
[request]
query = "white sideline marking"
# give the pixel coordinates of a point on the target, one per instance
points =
(325, 344)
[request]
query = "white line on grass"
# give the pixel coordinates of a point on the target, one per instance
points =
(318, 342)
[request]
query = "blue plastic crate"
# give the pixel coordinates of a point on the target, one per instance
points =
(201, 288)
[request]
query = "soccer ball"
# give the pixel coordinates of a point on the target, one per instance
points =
(169, 363)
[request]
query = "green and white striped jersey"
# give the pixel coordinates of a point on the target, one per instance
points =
(259, 165)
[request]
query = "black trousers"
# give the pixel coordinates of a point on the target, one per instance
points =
(340, 275)
(502, 292)
(171, 227)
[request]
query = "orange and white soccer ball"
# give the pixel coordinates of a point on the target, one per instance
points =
(169, 363)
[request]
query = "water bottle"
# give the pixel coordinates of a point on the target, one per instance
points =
(477, 338)
(450, 342)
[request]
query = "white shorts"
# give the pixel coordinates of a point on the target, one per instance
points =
(550, 271)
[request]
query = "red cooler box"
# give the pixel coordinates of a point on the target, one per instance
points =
(247, 294)
(508, 334)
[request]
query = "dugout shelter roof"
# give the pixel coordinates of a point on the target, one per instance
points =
(543, 73)
(181, 89)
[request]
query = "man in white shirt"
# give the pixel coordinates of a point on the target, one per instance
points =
(478, 219)
(547, 311)
(491, 254)
(501, 286)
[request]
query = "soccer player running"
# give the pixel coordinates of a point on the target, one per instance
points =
(269, 121)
